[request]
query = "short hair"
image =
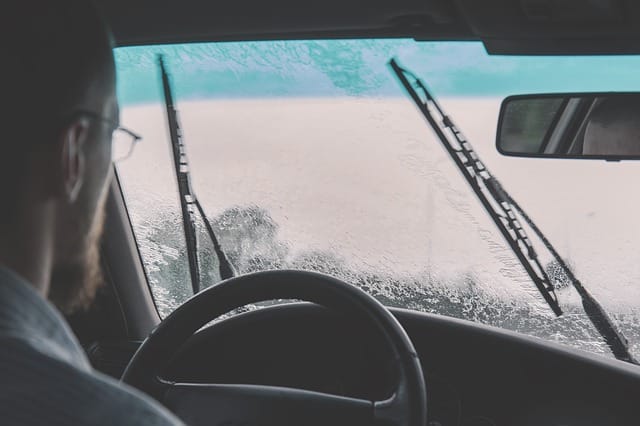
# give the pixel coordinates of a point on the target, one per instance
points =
(52, 51)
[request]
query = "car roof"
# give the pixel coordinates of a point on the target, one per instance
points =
(505, 26)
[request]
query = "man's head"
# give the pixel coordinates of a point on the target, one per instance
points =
(59, 112)
(614, 127)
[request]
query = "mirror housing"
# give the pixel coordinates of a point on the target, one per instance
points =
(600, 126)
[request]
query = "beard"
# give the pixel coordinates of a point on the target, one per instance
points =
(74, 283)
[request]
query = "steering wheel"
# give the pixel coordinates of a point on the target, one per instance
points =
(252, 405)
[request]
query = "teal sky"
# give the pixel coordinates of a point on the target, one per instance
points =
(358, 68)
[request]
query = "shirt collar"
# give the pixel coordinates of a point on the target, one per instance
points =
(26, 315)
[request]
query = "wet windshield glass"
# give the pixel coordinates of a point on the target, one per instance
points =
(308, 155)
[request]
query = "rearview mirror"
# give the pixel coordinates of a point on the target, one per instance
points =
(571, 125)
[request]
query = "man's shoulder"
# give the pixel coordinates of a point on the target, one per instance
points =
(38, 389)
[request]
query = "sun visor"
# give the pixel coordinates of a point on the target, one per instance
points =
(555, 27)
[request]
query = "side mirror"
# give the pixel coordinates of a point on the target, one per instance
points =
(603, 126)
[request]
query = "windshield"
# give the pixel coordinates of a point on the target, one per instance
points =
(309, 155)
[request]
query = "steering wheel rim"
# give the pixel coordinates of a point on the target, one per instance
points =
(406, 407)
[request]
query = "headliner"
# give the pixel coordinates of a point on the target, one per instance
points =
(505, 26)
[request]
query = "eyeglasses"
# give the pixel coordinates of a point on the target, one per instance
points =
(123, 140)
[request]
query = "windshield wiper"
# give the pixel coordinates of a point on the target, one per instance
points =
(188, 201)
(500, 206)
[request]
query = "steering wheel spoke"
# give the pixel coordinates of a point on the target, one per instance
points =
(197, 404)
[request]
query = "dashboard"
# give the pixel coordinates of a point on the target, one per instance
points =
(475, 375)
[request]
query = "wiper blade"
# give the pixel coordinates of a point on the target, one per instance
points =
(188, 201)
(184, 183)
(500, 206)
(482, 182)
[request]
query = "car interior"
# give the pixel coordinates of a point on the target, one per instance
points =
(337, 348)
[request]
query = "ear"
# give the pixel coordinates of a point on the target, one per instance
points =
(73, 139)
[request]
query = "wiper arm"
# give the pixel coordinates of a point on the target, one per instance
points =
(188, 201)
(614, 338)
(500, 206)
(225, 267)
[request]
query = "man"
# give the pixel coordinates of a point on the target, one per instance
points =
(614, 127)
(58, 112)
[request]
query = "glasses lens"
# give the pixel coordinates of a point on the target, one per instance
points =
(122, 145)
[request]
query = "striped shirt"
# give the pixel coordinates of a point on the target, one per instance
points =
(45, 377)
